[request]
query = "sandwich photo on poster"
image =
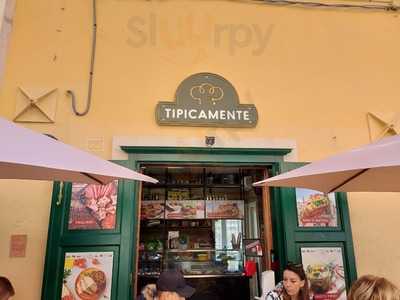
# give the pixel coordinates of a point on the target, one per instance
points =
(184, 209)
(152, 209)
(315, 209)
(224, 209)
(87, 275)
(325, 271)
(93, 206)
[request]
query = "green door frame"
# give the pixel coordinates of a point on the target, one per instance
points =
(123, 240)
(138, 156)
(61, 240)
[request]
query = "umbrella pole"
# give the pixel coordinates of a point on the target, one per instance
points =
(92, 177)
(348, 179)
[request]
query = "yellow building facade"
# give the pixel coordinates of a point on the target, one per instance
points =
(317, 77)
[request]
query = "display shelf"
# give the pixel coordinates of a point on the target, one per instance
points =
(181, 199)
(147, 229)
(151, 251)
(203, 250)
(224, 186)
(236, 274)
(189, 228)
(197, 261)
(173, 185)
(189, 250)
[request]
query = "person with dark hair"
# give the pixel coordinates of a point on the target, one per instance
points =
(293, 287)
(171, 285)
(6, 289)
(370, 287)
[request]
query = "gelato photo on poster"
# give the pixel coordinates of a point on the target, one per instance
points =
(87, 275)
(93, 206)
(315, 209)
(325, 272)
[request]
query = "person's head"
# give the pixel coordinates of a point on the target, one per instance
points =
(370, 287)
(149, 291)
(6, 289)
(172, 286)
(295, 282)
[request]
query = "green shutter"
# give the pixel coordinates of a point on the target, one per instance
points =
(62, 240)
(295, 237)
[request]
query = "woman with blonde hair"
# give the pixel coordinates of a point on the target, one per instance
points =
(370, 287)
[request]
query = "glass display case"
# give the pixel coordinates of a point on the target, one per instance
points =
(205, 262)
(196, 247)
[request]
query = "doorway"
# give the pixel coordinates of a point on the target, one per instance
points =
(197, 220)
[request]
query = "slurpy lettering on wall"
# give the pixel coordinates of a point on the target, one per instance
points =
(185, 31)
(206, 99)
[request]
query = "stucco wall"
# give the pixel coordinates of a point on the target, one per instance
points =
(312, 73)
(6, 19)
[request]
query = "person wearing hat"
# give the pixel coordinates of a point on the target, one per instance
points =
(172, 286)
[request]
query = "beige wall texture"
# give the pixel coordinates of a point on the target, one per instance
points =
(312, 73)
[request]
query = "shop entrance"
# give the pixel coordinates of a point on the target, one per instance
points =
(198, 220)
(203, 203)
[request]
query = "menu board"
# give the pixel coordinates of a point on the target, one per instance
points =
(93, 206)
(325, 272)
(185, 209)
(192, 209)
(224, 209)
(152, 209)
(315, 209)
(87, 275)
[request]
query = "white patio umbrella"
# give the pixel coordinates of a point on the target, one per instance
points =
(371, 168)
(25, 154)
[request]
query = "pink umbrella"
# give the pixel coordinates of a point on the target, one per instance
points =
(371, 168)
(25, 154)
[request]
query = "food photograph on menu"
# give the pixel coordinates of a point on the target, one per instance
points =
(87, 276)
(184, 209)
(152, 209)
(224, 209)
(93, 206)
(325, 271)
(315, 209)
